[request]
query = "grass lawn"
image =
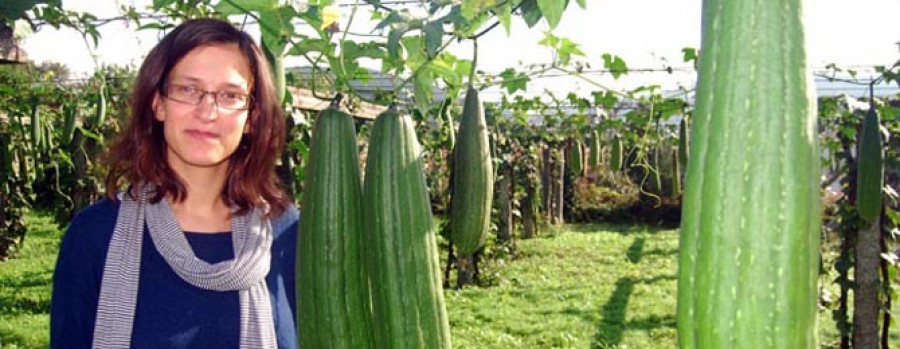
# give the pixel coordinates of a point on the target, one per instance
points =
(25, 286)
(585, 286)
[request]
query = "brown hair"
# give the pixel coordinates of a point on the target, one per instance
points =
(139, 153)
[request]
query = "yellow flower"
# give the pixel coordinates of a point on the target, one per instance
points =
(330, 15)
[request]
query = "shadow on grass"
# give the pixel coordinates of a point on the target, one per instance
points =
(612, 326)
(661, 253)
(636, 250)
(652, 322)
(621, 229)
(10, 305)
(10, 339)
(656, 279)
(31, 279)
(26, 294)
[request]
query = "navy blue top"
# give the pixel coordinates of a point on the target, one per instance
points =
(170, 312)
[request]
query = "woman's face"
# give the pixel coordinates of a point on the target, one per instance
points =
(204, 135)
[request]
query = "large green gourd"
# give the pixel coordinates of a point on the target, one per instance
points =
(473, 179)
(100, 112)
(576, 154)
(676, 174)
(870, 168)
(70, 116)
(333, 300)
(749, 249)
(615, 154)
(594, 156)
(37, 136)
(655, 177)
(407, 295)
(683, 145)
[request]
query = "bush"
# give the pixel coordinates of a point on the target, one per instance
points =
(614, 199)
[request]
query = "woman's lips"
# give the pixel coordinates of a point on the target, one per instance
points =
(202, 134)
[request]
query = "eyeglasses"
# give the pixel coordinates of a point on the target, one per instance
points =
(189, 94)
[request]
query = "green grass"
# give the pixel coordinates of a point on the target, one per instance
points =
(25, 286)
(592, 287)
(583, 286)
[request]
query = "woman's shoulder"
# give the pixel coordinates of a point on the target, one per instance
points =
(89, 231)
(96, 219)
(286, 222)
(101, 212)
(104, 209)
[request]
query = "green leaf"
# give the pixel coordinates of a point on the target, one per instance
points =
(530, 12)
(469, 8)
(155, 26)
(552, 11)
(361, 75)
(415, 52)
(471, 27)
(582, 4)
(392, 18)
(231, 7)
(444, 70)
(504, 15)
(606, 99)
(463, 66)
(272, 31)
(13, 10)
(313, 17)
(615, 64)
(848, 131)
(457, 19)
(581, 103)
(158, 4)
(549, 40)
(354, 50)
(513, 82)
(422, 88)
(472, 8)
(567, 48)
(308, 45)
(393, 44)
(434, 35)
(690, 54)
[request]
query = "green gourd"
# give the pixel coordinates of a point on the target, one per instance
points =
(594, 156)
(683, 145)
(473, 179)
(615, 154)
(870, 168)
(333, 298)
(37, 137)
(676, 174)
(751, 220)
(70, 116)
(100, 112)
(576, 154)
(407, 294)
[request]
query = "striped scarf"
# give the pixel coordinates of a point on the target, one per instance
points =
(246, 273)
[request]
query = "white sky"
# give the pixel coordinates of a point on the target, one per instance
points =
(645, 33)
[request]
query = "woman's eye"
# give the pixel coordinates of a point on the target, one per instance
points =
(187, 89)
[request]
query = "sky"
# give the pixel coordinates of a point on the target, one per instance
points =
(646, 34)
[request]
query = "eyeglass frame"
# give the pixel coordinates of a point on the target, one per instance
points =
(203, 93)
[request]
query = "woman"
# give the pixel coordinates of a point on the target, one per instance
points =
(194, 246)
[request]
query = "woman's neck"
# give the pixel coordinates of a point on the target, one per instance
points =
(203, 209)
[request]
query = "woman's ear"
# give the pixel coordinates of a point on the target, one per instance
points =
(158, 111)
